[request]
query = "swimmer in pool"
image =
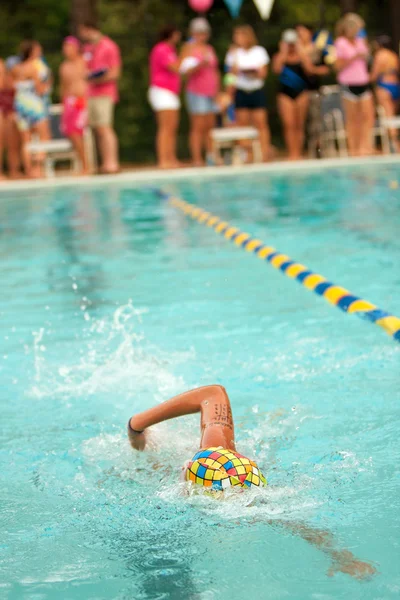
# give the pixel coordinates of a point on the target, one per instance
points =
(217, 465)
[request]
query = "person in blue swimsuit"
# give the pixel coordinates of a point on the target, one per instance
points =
(385, 74)
(218, 467)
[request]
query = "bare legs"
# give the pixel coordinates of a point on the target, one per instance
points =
(360, 117)
(366, 124)
(108, 146)
(259, 118)
(77, 142)
(167, 128)
(13, 143)
(199, 136)
(293, 114)
(352, 133)
(2, 142)
(384, 98)
(33, 165)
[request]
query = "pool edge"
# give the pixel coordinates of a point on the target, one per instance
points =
(158, 175)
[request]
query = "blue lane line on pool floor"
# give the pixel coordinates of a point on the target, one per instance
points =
(334, 294)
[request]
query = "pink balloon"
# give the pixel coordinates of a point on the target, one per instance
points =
(200, 6)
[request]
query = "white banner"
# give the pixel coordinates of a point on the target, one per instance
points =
(264, 7)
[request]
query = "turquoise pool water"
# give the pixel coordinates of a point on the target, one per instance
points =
(112, 301)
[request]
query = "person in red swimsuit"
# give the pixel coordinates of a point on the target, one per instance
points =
(73, 88)
(218, 466)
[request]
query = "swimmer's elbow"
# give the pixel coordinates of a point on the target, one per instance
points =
(218, 390)
(216, 387)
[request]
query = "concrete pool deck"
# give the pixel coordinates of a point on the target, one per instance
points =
(157, 175)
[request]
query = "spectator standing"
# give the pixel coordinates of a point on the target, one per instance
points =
(73, 90)
(3, 102)
(30, 107)
(12, 137)
(293, 66)
(103, 61)
(316, 48)
(249, 61)
(163, 95)
(385, 74)
(44, 74)
(199, 64)
(351, 64)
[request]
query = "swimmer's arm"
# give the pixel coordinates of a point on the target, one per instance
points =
(211, 400)
(342, 560)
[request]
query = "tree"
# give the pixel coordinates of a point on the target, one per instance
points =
(349, 5)
(81, 10)
(395, 22)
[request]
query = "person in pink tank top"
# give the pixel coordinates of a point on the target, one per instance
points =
(163, 95)
(351, 65)
(199, 65)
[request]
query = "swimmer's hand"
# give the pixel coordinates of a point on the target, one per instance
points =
(345, 562)
(137, 439)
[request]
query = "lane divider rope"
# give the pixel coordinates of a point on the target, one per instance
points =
(334, 294)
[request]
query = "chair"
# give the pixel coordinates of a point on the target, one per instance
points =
(314, 125)
(334, 138)
(60, 148)
(387, 123)
(333, 133)
(225, 137)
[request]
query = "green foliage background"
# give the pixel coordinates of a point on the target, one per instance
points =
(134, 24)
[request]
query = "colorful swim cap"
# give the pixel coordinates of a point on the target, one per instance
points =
(220, 468)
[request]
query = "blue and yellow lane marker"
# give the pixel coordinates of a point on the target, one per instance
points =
(334, 294)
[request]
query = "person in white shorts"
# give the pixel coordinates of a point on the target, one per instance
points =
(163, 95)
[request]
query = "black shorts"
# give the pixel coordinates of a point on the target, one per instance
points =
(290, 92)
(356, 92)
(250, 100)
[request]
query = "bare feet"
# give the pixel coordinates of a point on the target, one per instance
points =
(175, 164)
(110, 169)
(16, 175)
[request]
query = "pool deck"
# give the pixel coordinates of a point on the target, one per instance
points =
(157, 175)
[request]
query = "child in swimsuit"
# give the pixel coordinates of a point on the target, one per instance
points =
(385, 74)
(73, 81)
(218, 466)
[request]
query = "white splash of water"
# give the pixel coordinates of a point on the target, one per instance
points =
(111, 357)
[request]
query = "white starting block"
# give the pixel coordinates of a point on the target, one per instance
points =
(59, 147)
(225, 137)
(54, 150)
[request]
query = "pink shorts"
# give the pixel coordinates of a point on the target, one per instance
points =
(74, 118)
